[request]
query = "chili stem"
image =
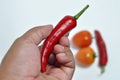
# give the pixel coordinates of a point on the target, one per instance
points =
(81, 12)
(102, 69)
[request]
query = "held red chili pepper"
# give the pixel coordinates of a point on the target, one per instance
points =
(102, 51)
(65, 25)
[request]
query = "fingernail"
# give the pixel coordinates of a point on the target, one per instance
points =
(62, 47)
(62, 54)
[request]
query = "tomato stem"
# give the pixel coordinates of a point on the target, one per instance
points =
(94, 55)
(81, 12)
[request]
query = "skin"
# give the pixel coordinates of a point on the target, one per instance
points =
(22, 61)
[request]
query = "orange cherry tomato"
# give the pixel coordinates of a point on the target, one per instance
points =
(86, 56)
(82, 39)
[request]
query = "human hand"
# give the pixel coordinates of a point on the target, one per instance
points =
(22, 61)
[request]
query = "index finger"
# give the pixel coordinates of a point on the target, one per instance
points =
(37, 34)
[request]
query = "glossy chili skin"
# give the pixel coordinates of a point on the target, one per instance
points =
(64, 26)
(102, 50)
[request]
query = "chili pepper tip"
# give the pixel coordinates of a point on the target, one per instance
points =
(81, 12)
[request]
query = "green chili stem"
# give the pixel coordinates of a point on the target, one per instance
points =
(103, 69)
(81, 12)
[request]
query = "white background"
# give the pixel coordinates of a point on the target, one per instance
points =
(17, 16)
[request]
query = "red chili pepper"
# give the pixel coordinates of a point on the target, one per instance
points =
(64, 26)
(102, 50)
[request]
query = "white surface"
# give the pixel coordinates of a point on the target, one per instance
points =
(17, 16)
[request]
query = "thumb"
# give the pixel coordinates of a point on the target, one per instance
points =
(37, 34)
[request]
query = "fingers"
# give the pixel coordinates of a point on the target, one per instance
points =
(59, 50)
(37, 34)
(52, 59)
(64, 56)
(63, 53)
(64, 41)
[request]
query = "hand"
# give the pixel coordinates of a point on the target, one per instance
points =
(22, 61)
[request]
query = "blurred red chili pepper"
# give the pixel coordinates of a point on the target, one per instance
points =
(102, 50)
(64, 26)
